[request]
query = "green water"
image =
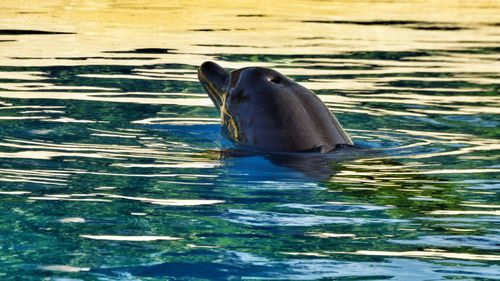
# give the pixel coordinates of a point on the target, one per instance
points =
(112, 166)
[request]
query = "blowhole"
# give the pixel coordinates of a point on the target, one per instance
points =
(275, 80)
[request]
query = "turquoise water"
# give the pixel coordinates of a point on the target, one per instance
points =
(112, 166)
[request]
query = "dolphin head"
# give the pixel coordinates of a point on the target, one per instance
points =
(266, 110)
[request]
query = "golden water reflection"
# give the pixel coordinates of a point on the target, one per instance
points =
(283, 28)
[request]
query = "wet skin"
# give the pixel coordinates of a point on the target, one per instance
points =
(264, 110)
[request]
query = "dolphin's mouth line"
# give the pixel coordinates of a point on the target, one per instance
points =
(213, 94)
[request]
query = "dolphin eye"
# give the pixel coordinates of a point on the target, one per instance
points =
(240, 95)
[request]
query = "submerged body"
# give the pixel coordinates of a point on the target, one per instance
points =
(263, 109)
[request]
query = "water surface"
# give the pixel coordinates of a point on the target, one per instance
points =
(112, 166)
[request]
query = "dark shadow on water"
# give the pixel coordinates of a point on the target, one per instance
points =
(438, 28)
(144, 51)
(229, 46)
(113, 58)
(419, 25)
(314, 165)
(477, 50)
(312, 38)
(251, 16)
(366, 55)
(375, 22)
(31, 13)
(210, 29)
(84, 58)
(30, 32)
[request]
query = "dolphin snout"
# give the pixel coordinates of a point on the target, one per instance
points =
(213, 78)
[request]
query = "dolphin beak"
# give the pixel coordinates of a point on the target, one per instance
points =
(214, 79)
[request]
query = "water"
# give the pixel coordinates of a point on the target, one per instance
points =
(112, 166)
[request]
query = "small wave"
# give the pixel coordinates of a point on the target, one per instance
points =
(261, 218)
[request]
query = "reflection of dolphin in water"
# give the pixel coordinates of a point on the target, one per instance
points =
(319, 166)
(264, 110)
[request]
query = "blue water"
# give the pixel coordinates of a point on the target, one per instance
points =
(118, 171)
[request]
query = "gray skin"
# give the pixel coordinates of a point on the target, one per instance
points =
(264, 110)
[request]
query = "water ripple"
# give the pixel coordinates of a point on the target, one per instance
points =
(112, 165)
(260, 218)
